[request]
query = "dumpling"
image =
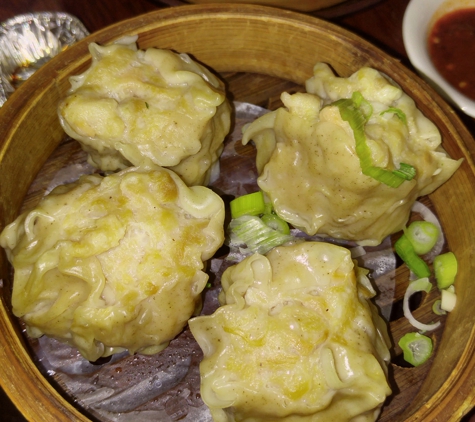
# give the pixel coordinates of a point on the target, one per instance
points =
(114, 263)
(158, 106)
(309, 167)
(296, 339)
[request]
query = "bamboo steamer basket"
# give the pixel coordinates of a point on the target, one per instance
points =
(302, 5)
(259, 51)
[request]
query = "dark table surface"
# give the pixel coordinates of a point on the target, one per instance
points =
(378, 21)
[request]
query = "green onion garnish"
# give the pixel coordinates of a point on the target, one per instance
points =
(398, 112)
(423, 235)
(406, 252)
(420, 285)
(255, 234)
(437, 308)
(276, 223)
(250, 204)
(448, 300)
(365, 106)
(445, 269)
(416, 347)
(355, 111)
(406, 171)
(255, 225)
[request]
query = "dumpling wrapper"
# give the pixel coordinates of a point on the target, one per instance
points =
(296, 339)
(308, 165)
(113, 263)
(133, 106)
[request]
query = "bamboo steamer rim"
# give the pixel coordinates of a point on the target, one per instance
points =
(301, 5)
(35, 397)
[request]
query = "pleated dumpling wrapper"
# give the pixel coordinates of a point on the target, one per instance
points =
(321, 173)
(296, 338)
(155, 105)
(114, 263)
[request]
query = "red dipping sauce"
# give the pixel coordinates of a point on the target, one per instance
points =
(452, 49)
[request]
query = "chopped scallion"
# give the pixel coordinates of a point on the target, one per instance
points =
(276, 223)
(445, 269)
(255, 225)
(269, 209)
(416, 348)
(353, 112)
(437, 308)
(250, 204)
(451, 288)
(398, 112)
(423, 236)
(255, 234)
(362, 104)
(420, 285)
(406, 252)
(406, 171)
(448, 300)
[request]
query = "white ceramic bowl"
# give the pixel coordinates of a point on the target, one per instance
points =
(418, 20)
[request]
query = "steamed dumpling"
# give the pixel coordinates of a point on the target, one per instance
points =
(296, 339)
(155, 105)
(113, 263)
(309, 168)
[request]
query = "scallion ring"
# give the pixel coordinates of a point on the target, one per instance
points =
(250, 204)
(406, 252)
(422, 284)
(445, 269)
(437, 308)
(276, 223)
(423, 235)
(448, 300)
(396, 111)
(255, 234)
(416, 348)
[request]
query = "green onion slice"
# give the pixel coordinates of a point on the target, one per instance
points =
(416, 264)
(398, 112)
(416, 347)
(276, 223)
(255, 234)
(406, 171)
(250, 204)
(423, 236)
(445, 269)
(269, 209)
(364, 105)
(448, 300)
(420, 285)
(355, 111)
(437, 308)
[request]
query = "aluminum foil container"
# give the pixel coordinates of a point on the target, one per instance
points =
(28, 41)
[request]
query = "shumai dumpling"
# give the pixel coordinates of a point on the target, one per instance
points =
(113, 263)
(309, 167)
(155, 105)
(296, 339)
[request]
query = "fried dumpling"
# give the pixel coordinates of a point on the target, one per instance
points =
(151, 105)
(309, 165)
(114, 263)
(296, 339)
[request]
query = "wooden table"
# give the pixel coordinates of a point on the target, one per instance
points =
(378, 21)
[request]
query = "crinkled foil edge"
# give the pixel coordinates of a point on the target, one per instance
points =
(28, 41)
